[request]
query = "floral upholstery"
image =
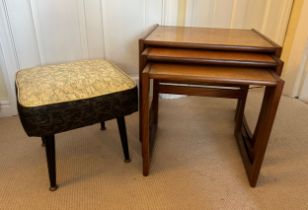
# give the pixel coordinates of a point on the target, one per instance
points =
(57, 98)
(54, 84)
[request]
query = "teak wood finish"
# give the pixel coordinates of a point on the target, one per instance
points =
(216, 63)
(209, 57)
(212, 39)
(210, 74)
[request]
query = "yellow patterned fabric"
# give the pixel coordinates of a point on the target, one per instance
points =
(85, 79)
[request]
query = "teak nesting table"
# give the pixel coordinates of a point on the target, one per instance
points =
(211, 62)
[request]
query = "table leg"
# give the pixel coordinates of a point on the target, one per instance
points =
(253, 160)
(145, 122)
(142, 64)
(155, 101)
(140, 107)
(263, 130)
(240, 109)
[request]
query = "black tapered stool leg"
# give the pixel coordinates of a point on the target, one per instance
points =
(51, 160)
(122, 130)
(103, 126)
(43, 142)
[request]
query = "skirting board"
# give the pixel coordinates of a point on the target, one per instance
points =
(6, 109)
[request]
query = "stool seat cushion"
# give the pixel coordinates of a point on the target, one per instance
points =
(57, 98)
(54, 84)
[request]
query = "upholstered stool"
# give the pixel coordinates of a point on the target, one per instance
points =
(57, 98)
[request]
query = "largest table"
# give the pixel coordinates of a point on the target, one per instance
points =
(211, 62)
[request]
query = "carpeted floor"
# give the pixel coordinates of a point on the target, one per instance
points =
(196, 163)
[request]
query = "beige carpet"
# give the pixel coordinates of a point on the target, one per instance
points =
(196, 163)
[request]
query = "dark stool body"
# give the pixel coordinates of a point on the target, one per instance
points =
(52, 116)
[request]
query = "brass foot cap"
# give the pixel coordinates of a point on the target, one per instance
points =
(53, 188)
(127, 160)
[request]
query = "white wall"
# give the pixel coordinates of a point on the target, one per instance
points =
(303, 91)
(296, 74)
(53, 31)
(38, 32)
(267, 16)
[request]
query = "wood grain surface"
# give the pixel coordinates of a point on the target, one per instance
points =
(213, 74)
(240, 39)
(209, 57)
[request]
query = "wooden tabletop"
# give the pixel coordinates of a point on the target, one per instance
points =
(210, 38)
(213, 74)
(209, 57)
